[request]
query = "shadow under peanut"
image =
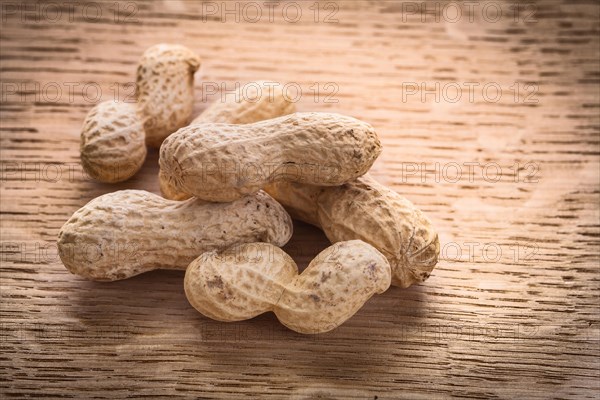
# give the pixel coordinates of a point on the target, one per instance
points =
(377, 336)
(147, 302)
(306, 242)
(151, 309)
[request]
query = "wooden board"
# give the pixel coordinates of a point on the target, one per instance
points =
(508, 173)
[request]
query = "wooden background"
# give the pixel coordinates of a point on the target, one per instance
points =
(511, 181)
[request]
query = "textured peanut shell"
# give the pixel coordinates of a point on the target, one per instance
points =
(255, 102)
(252, 103)
(168, 191)
(366, 210)
(222, 162)
(250, 279)
(125, 233)
(165, 84)
(112, 143)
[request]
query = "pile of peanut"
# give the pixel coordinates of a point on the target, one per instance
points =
(225, 229)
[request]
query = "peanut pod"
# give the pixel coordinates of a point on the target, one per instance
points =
(222, 162)
(367, 210)
(250, 279)
(126, 233)
(115, 134)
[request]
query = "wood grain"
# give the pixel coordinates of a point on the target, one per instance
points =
(511, 311)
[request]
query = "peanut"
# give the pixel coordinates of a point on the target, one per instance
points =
(250, 279)
(366, 210)
(114, 135)
(112, 142)
(255, 102)
(222, 162)
(128, 232)
(165, 84)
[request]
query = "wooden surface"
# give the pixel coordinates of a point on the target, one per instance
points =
(512, 309)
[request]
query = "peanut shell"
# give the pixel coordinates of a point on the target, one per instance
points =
(250, 279)
(222, 162)
(128, 232)
(367, 210)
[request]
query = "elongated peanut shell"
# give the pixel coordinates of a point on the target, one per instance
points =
(112, 142)
(165, 84)
(366, 210)
(125, 233)
(256, 101)
(250, 279)
(222, 162)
